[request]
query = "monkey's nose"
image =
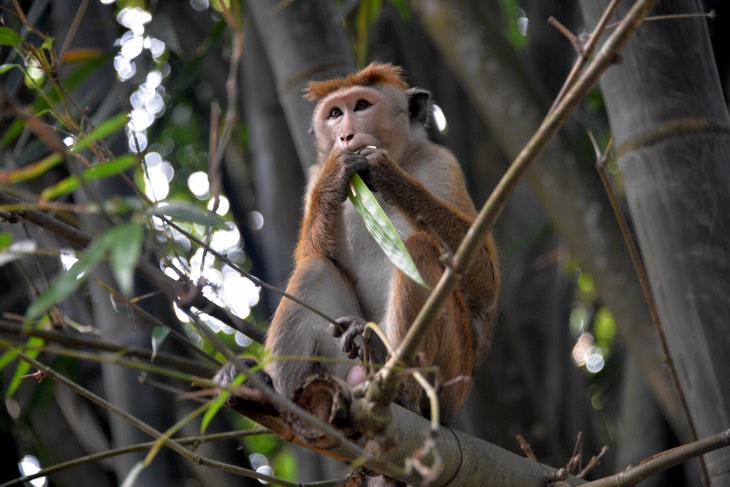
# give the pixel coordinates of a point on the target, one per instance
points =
(346, 138)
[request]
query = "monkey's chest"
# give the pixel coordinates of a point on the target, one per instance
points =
(358, 252)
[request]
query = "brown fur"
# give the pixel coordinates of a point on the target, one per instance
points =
(373, 74)
(338, 267)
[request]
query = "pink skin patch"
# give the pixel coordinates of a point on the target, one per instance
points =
(356, 375)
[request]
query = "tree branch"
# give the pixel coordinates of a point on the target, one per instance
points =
(662, 461)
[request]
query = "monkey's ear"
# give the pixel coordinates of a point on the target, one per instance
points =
(419, 106)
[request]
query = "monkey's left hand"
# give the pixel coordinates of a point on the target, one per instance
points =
(353, 328)
(383, 174)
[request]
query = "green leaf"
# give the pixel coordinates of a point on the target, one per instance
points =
(8, 357)
(104, 129)
(32, 349)
(64, 186)
(7, 67)
(188, 212)
(6, 238)
(99, 171)
(65, 283)
(382, 230)
(47, 44)
(218, 402)
(159, 333)
(126, 246)
(110, 168)
(31, 170)
(8, 37)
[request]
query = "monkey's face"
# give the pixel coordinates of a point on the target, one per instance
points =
(358, 116)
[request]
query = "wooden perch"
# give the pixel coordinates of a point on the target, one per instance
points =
(391, 434)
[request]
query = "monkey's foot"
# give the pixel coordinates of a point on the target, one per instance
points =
(225, 375)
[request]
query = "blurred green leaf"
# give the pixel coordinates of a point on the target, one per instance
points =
(8, 37)
(8, 357)
(586, 288)
(285, 464)
(604, 327)
(65, 283)
(6, 238)
(382, 230)
(218, 402)
(31, 170)
(99, 171)
(104, 129)
(110, 168)
(188, 212)
(32, 349)
(47, 44)
(159, 333)
(7, 67)
(126, 247)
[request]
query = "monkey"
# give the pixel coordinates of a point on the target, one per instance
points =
(373, 124)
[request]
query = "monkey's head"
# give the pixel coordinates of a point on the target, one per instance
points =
(371, 107)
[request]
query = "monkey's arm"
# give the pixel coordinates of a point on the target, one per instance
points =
(451, 219)
(323, 203)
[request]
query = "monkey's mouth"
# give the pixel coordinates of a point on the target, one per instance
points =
(358, 151)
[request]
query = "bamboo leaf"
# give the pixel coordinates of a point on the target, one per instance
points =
(6, 238)
(126, 245)
(8, 37)
(32, 349)
(159, 333)
(104, 129)
(218, 402)
(65, 283)
(31, 170)
(160, 441)
(382, 230)
(188, 212)
(7, 67)
(99, 171)
(64, 186)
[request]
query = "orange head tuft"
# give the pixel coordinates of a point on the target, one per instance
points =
(374, 73)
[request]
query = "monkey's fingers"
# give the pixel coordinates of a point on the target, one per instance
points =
(350, 346)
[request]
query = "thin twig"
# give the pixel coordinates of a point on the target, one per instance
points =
(80, 341)
(566, 32)
(712, 15)
(587, 51)
(526, 448)
(594, 462)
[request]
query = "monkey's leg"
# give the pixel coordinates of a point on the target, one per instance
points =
(298, 336)
(448, 345)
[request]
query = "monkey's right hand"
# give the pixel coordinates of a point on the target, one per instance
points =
(338, 171)
(225, 375)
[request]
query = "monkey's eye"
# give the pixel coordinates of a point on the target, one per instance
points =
(335, 112)
(362, 105)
